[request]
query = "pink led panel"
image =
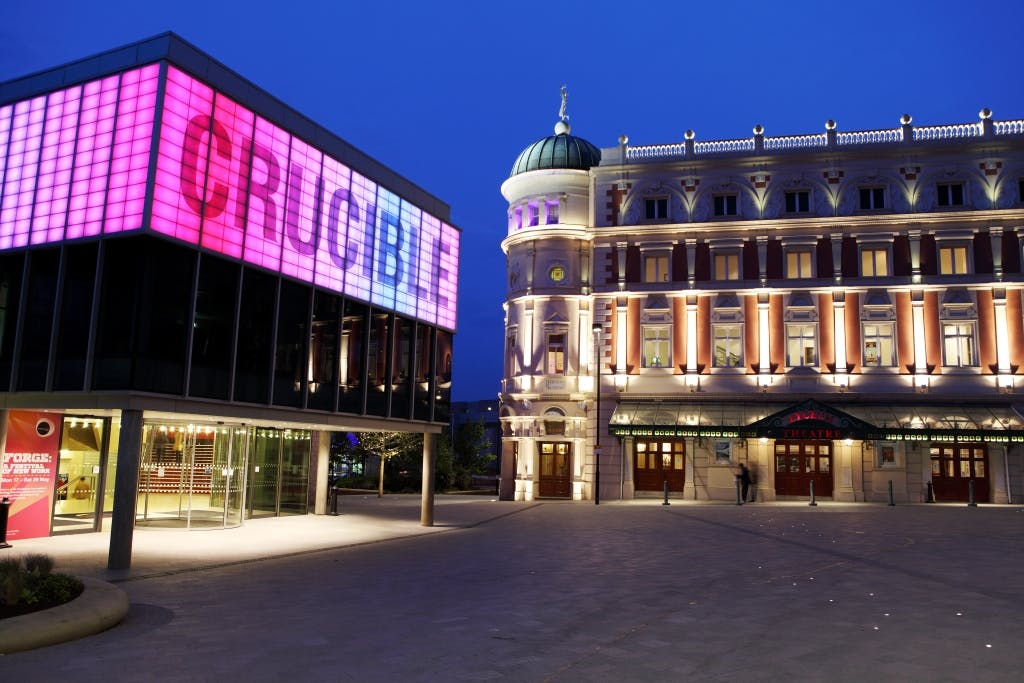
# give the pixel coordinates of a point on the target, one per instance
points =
(74, 162)
(239, 185)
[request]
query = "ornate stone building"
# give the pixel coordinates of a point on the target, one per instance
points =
(839, 311)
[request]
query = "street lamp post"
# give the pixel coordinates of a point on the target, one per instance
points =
(597, 430)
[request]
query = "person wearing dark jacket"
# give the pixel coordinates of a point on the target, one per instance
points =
(744, 477)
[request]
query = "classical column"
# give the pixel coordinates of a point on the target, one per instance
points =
(126, 490)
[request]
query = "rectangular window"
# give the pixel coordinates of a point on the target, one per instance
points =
(552, 212)
(534, 214)
(725, 205)
(801, 346)
(953, 260)
(958, 346)
(798, 264)
(950, 194)
(1020, 190)
(880, 345)
(798, 201)
(874, 262)
(556, 354)
(728, 346)
(727, 266)
(872, 198)
(656, 209)
(657, 352)
(656, 268)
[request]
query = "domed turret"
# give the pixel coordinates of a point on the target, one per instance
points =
(561, 150)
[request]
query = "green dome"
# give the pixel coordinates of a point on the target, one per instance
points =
(558, 151)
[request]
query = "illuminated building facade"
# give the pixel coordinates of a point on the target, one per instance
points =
(197, 285)
(839, 311)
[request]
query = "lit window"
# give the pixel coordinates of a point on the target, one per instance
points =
(657, 353)
(725, 204)
(552, 212)
(958, 348)
(534, 214)
(801, 345)
(798, 201)
(872, 198)
(950, 194)
(798, 264)
(517, 220)
(728, 346)
(656, 209)
(879, 344)
(656, 268)
(874, 262)
(727, 266)
(556, 354)
(953, 260)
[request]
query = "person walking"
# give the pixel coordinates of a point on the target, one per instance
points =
(744, 477)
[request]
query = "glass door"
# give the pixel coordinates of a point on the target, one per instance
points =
(192, 476)
(80, 475)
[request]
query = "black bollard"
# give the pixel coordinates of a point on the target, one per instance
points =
(812, 503)
(891, 503)
(739, 497)
(334, 500)
(931, 494)
(665, 486)
(5, 509)
(970, 494)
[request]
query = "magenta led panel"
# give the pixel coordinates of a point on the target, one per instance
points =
(239, 185)
(74, 162)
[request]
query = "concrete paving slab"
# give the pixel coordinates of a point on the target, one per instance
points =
(547, 591)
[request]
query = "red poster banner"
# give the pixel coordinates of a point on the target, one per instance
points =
(28, 471)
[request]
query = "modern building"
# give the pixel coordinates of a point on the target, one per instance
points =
(197, 285)
(839, 311)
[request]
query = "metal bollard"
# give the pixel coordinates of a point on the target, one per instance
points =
(970, 494)
(891, 503)
(665, 486)
(812, 503)
(931, 494)
(739, 497)
(5, 510)
(334, 500)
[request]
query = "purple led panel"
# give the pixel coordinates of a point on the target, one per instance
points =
(239, 185)
(74, 162)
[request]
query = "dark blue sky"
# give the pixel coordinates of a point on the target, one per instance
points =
(448, 93)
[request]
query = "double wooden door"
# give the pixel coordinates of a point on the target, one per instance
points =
(798, 463)
(555, 470)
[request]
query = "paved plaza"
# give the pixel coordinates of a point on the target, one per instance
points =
(553, 591)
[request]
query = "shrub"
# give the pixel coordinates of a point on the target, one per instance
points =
(29, 583)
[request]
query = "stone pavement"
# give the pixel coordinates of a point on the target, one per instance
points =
(551, 591)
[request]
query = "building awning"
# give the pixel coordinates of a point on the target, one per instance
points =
(817, 420)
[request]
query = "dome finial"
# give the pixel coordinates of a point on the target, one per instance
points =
(562, 127)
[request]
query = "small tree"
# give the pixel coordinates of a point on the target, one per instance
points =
(471, 453)
(387, 445)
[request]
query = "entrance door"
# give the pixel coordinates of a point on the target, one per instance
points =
(555, 477)
(658, 462)
(798, 463)
(953, 468)
(82, 475)
(191, 476)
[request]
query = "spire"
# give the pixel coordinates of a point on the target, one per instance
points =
(562, 127)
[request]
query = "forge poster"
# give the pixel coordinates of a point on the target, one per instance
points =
(28, 470)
